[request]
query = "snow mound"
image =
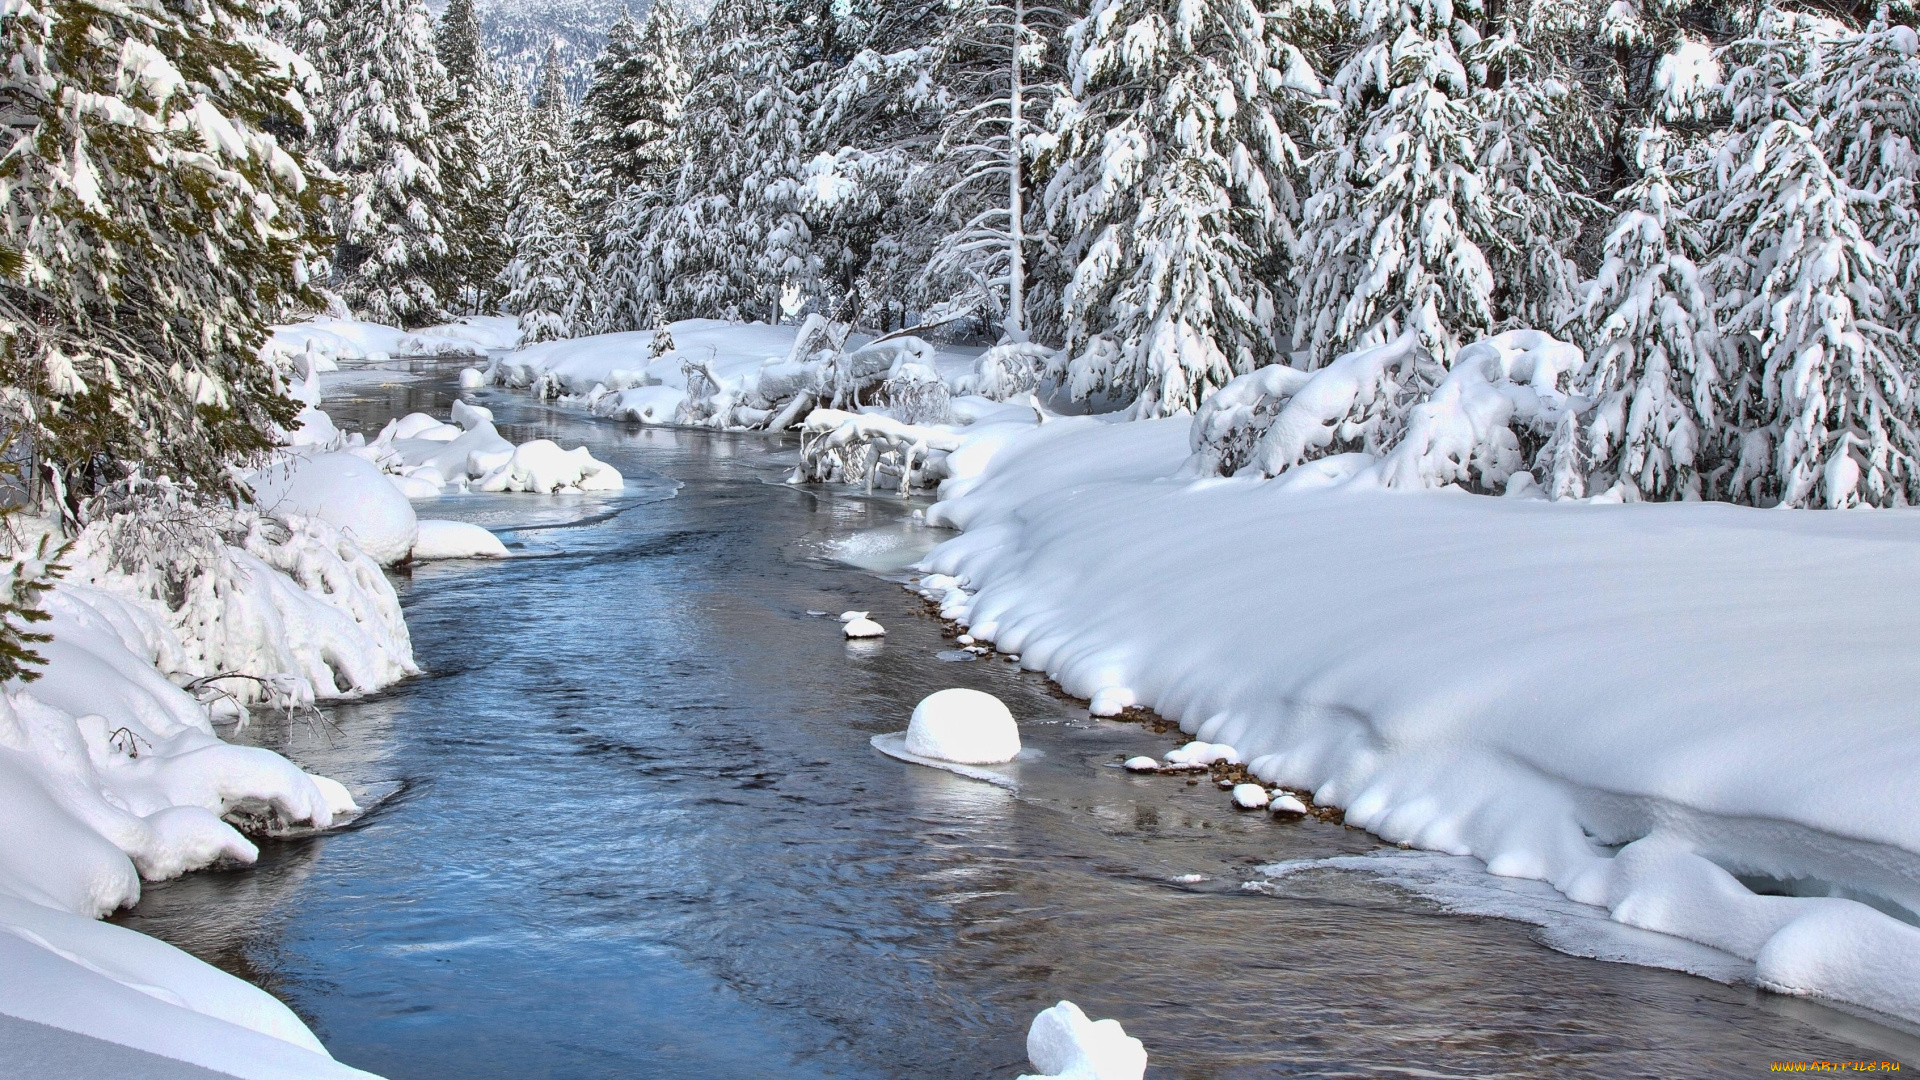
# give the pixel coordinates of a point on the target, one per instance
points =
(472, 378)
(345, 491)
(1064, 1045)
(1288, 804)
(456, 540)
(964, 726)
(863, 627)
(542, 467)
(1142, 763)
(425, 458)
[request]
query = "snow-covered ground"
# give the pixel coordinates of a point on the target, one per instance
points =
(111, 771)
(1698, 717)
(334, 341)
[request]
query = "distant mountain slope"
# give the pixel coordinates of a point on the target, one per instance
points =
(517, 33)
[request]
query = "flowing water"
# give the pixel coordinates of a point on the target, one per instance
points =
(635, 829)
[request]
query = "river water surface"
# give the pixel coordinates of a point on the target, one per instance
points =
(635, 829)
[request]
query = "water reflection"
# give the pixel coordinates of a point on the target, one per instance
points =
(642, 834)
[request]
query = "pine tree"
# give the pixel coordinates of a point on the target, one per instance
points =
(1400, 221)
(1168, 163)
(376, 60)
(147, 239)
(545, 278)
(473, 186)
(733, 235)
(633, 105)
(1648, 330)
(1824, 395)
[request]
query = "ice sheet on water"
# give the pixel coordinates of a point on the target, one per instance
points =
(1461, 884)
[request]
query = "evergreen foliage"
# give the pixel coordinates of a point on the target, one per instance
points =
(377, 66)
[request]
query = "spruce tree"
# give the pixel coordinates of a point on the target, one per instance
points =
(632, 106)
(734, 235)
(544, 281)
(1824, 395)
(147, 239)
(376, 61)
(1169, 163)
(1400, 222)
(472, 179)
(1646, 323)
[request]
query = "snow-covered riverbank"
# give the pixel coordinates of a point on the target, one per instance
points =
(112, 771)
(1698, 717)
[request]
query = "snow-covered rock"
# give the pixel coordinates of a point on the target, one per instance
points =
(472, 378)
(964, 726)
(345, 491)
(850, 616)
(1250, 796)
(1199, 755)
(1284, 803)
(863, 627)
(456, 540)
(424, 458)
(1142, 763)
(1065, 1045)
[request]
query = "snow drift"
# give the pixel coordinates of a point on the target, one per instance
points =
(1696, 716)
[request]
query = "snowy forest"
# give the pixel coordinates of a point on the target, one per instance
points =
(1141, 201)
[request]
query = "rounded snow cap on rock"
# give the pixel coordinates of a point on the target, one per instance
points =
(1065, 1045)
(863, 628)
(963, 726)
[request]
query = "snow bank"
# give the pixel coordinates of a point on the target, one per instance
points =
(1695, 716)
(288, 610)
(456, 540)
(334, 341)
(344, 490)
(109, 774)
(1064, 1045)
(424, 458)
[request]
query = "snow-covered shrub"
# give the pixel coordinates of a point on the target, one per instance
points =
(1006, 371)
(867, 448)
(1277, 417)
(1502, 404)
(287, 610)
(915, 394)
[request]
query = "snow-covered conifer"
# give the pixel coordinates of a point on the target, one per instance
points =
(1400, 221)
(1169, 162)
(733, 234)
(545, 279)
(151, 226)
(377, 64)
(632, 106)
(1824, 394)
(1865, 105)
(1648, 329)
(473, 185)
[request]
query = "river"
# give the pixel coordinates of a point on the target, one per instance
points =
(632, 827)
